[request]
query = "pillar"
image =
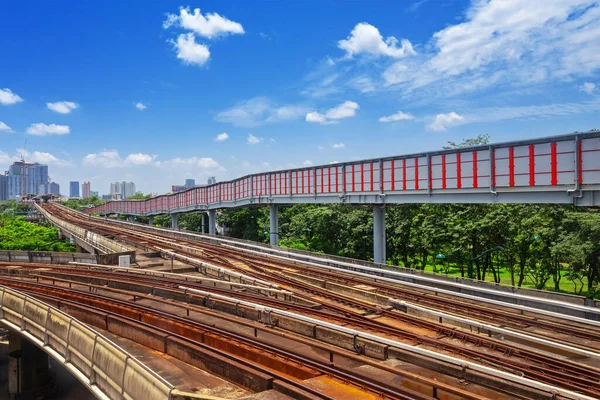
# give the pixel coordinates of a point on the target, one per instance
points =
(379, 234)
(212, 221)
(274, 221)
(150, 221)
(174, 223)
(28, 373)
(204, 222)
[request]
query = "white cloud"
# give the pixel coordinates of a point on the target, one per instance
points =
(5, 128)
(363, 84)
(259, 111)
(399, 116)
(253, 139)
(338, 146)
(112, 159)
(7, 97)
(443, 121)
(320, 148)
(41, 129)
(189, 51)
(505, 43)
(139, 159)
(286, 113)
(210, 26)
(316, 117)
(141, 106)
(345, 110)
(62, 107)
(587, 87)
(36, 156)
(307, 163)
(365, 38)
(221, 137)
(203, 163)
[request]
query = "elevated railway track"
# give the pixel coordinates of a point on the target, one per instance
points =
(366, 315)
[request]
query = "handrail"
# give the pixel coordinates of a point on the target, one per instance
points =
(70, 341)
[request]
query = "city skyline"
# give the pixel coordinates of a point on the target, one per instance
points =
(160, 100)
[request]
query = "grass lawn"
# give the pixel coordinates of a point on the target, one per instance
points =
(566, 286)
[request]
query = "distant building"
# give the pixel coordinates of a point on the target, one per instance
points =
(74, 189)
(85, 190)
(212, 180)
(107, 197)
(35, 175)
(94, 193)
(54, 188)
(189, 183)
(3, 188)
(122, 190)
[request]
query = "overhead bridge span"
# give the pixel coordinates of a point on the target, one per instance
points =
(553, 170)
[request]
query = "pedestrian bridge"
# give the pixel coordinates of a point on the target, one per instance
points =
(560, 169)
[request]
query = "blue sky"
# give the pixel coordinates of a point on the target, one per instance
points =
(157, 92)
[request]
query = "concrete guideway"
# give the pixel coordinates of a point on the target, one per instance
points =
(531, 299)
(361, 287)
(103, 367)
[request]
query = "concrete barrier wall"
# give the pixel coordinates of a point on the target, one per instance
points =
(97, 241)
(104, 368)
(47, 257)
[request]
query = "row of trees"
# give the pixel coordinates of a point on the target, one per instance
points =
(537, 244)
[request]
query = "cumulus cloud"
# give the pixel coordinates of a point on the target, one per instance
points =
(210, 26)
(141, 106)
(112, 159)
(259, 111)
(338, 146)
(5, 128)
(62, 107)
(189, 51)
(41, 129)
(399, 116)
(587, 87)
(333, 115)
(7, 97)
(443, 121)
(203, 163)
(253, 139)
(307, 163)
(365, 38)
(139, 159)
(221, 137)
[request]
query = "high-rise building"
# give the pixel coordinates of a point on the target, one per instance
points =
(3, 187)
(122, 190)
(85, 190)
(74, 189)
(94, 193)
(190, 182)
(55, 188)
(212, 180)
(35, 175)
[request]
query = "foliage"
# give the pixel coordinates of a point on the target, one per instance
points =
(80, 204)
(18, 234)
(543, 245)
(139, 196)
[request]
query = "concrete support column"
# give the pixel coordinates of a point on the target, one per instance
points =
(150, 221)
(28, 374)
(204, 222)
(379, 234)
(174, 222)
(274, 221)
(212, 221)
